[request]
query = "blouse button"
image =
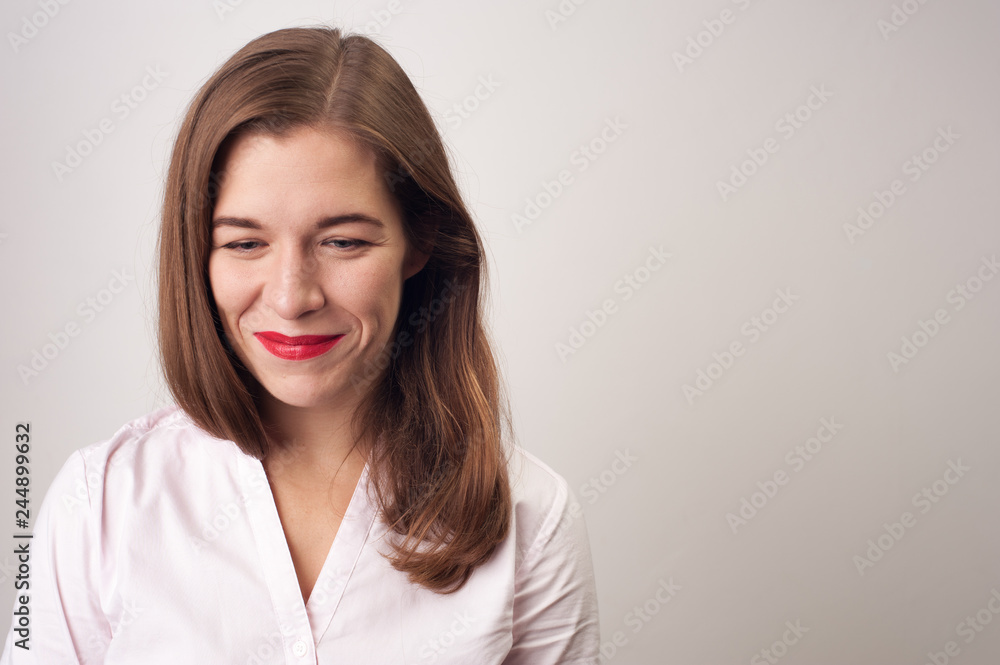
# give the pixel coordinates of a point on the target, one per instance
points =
(299, 648)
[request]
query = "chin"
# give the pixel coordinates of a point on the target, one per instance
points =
(301, 396)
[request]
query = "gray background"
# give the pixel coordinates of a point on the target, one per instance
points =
(668, 515)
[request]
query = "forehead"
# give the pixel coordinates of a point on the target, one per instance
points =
(301, 172)
(301, 150)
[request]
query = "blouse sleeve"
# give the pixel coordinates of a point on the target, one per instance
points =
(65, 624)
(555, 598)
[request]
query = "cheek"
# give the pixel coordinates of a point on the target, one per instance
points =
(229, 289)
(374, 290)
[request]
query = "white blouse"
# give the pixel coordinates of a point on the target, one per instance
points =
(163, 546)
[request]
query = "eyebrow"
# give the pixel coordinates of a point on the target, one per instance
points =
(325, 223)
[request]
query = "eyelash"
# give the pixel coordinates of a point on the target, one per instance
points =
(237, 245)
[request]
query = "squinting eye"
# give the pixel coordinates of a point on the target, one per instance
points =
(242, 245)
(349, 244)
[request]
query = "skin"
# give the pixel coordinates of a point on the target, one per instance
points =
(286, 274)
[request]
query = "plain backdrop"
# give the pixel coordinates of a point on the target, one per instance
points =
(743, 285)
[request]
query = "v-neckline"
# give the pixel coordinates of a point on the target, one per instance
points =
(278, 567)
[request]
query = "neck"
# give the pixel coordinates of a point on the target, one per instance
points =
(310, 443)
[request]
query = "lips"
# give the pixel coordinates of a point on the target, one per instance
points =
(302, 347)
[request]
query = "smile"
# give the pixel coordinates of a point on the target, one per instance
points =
(297, 348)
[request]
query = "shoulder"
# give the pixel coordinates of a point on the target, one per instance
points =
(555, 616)
(534, 484)
(542, 502)
(149, 439)
(144, 453)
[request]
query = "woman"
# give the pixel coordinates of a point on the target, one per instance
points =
(332, 485)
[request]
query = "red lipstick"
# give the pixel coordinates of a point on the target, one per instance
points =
(303, 347)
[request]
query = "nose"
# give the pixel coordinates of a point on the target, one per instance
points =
(293, 287)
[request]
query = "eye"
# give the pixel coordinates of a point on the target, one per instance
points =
(242, 246)
(344, 243)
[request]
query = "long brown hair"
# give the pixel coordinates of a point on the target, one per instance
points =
(435, 404)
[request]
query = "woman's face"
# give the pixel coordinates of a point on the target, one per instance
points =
(307, 263)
